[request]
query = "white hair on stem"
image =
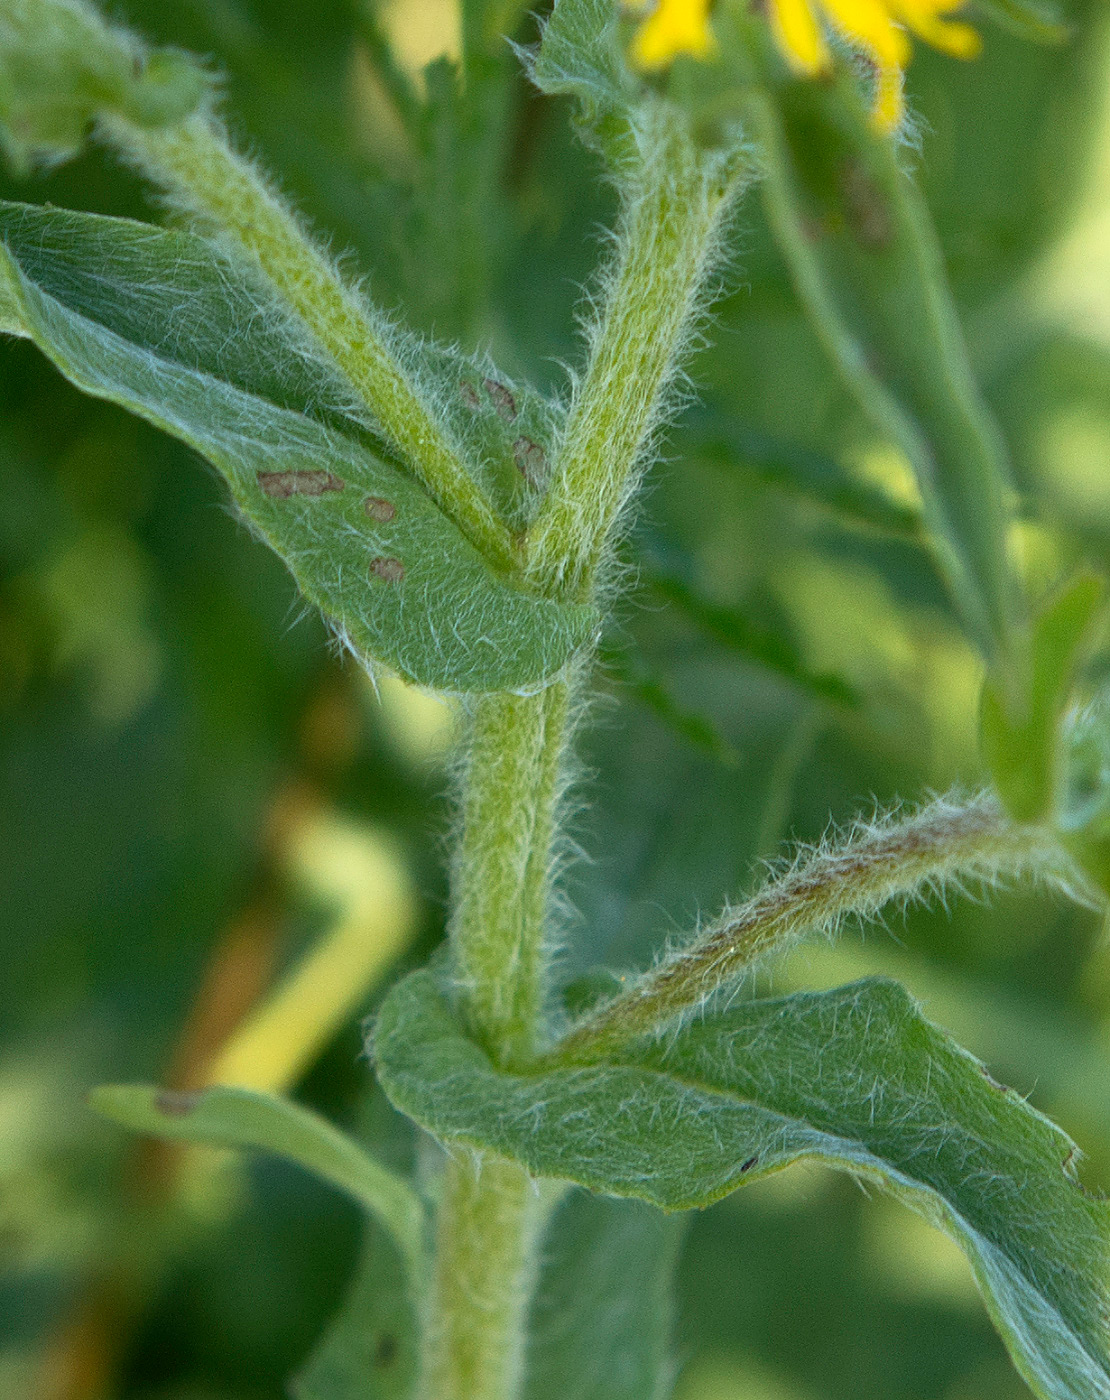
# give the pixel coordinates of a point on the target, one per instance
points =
(941, 848)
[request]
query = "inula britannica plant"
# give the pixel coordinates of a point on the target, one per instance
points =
(559, 1102)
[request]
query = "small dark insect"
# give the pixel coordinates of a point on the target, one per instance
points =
(175, 1104)
(502, 398)
(531, 461)
(282, 485)
(378, 508)
(749, 1164)
(388, 570)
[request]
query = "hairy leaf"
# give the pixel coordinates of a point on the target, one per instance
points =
(225, 1117)
(855, 1078)
(158, 322)
(507, 430)
(600, 1327)
(580, 56)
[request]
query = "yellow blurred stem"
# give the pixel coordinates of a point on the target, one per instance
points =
(375, 919)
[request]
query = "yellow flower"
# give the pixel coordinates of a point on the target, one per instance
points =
(877, 28)
(672, 27)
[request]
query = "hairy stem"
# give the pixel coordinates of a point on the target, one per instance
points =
(943, 844)
(503, 864)
(491, 1211)
(491, 1214)
(194, 162)
(666, 242)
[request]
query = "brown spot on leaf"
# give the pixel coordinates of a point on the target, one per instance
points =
(175, 1104)
(469, 395)
(503, 399)
(282, 485)
(748, 1165)
(378, 508)
(388, 570)
(531, 461)
(1070, 1165)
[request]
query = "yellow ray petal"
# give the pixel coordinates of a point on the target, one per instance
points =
(673, 27)
(889, 104)
(799, 36)
(867, 25)
(950, 36)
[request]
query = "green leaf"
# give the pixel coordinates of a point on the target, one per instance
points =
(740, 634)
(158, 322)
(600, 1326)
(1024, 754)
(864, 258)
(799, 470)
(369, 1351)
(855, 1078)
(580, 56)
(223, 1117)
(695, 728)
(1083, 818)
(508, 430)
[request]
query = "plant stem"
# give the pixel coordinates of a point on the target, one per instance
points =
(941, 845)
(503, 864)
(674, 204)
(491, 1211)
(194, 162)
(490, 1217)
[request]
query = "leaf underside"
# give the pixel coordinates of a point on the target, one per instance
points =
(222, 1116)
(161, 323)
(855, 1078)
(600, 1325)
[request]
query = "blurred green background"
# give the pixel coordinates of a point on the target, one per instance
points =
(190, 776)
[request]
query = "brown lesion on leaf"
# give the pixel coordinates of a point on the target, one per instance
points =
(176, 1104)
(531, 461)
(469, 395)
(387, 569)
(281, 485)
(1002, 1088)
(1070, 1169)
(503, 400)
(379, 509)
